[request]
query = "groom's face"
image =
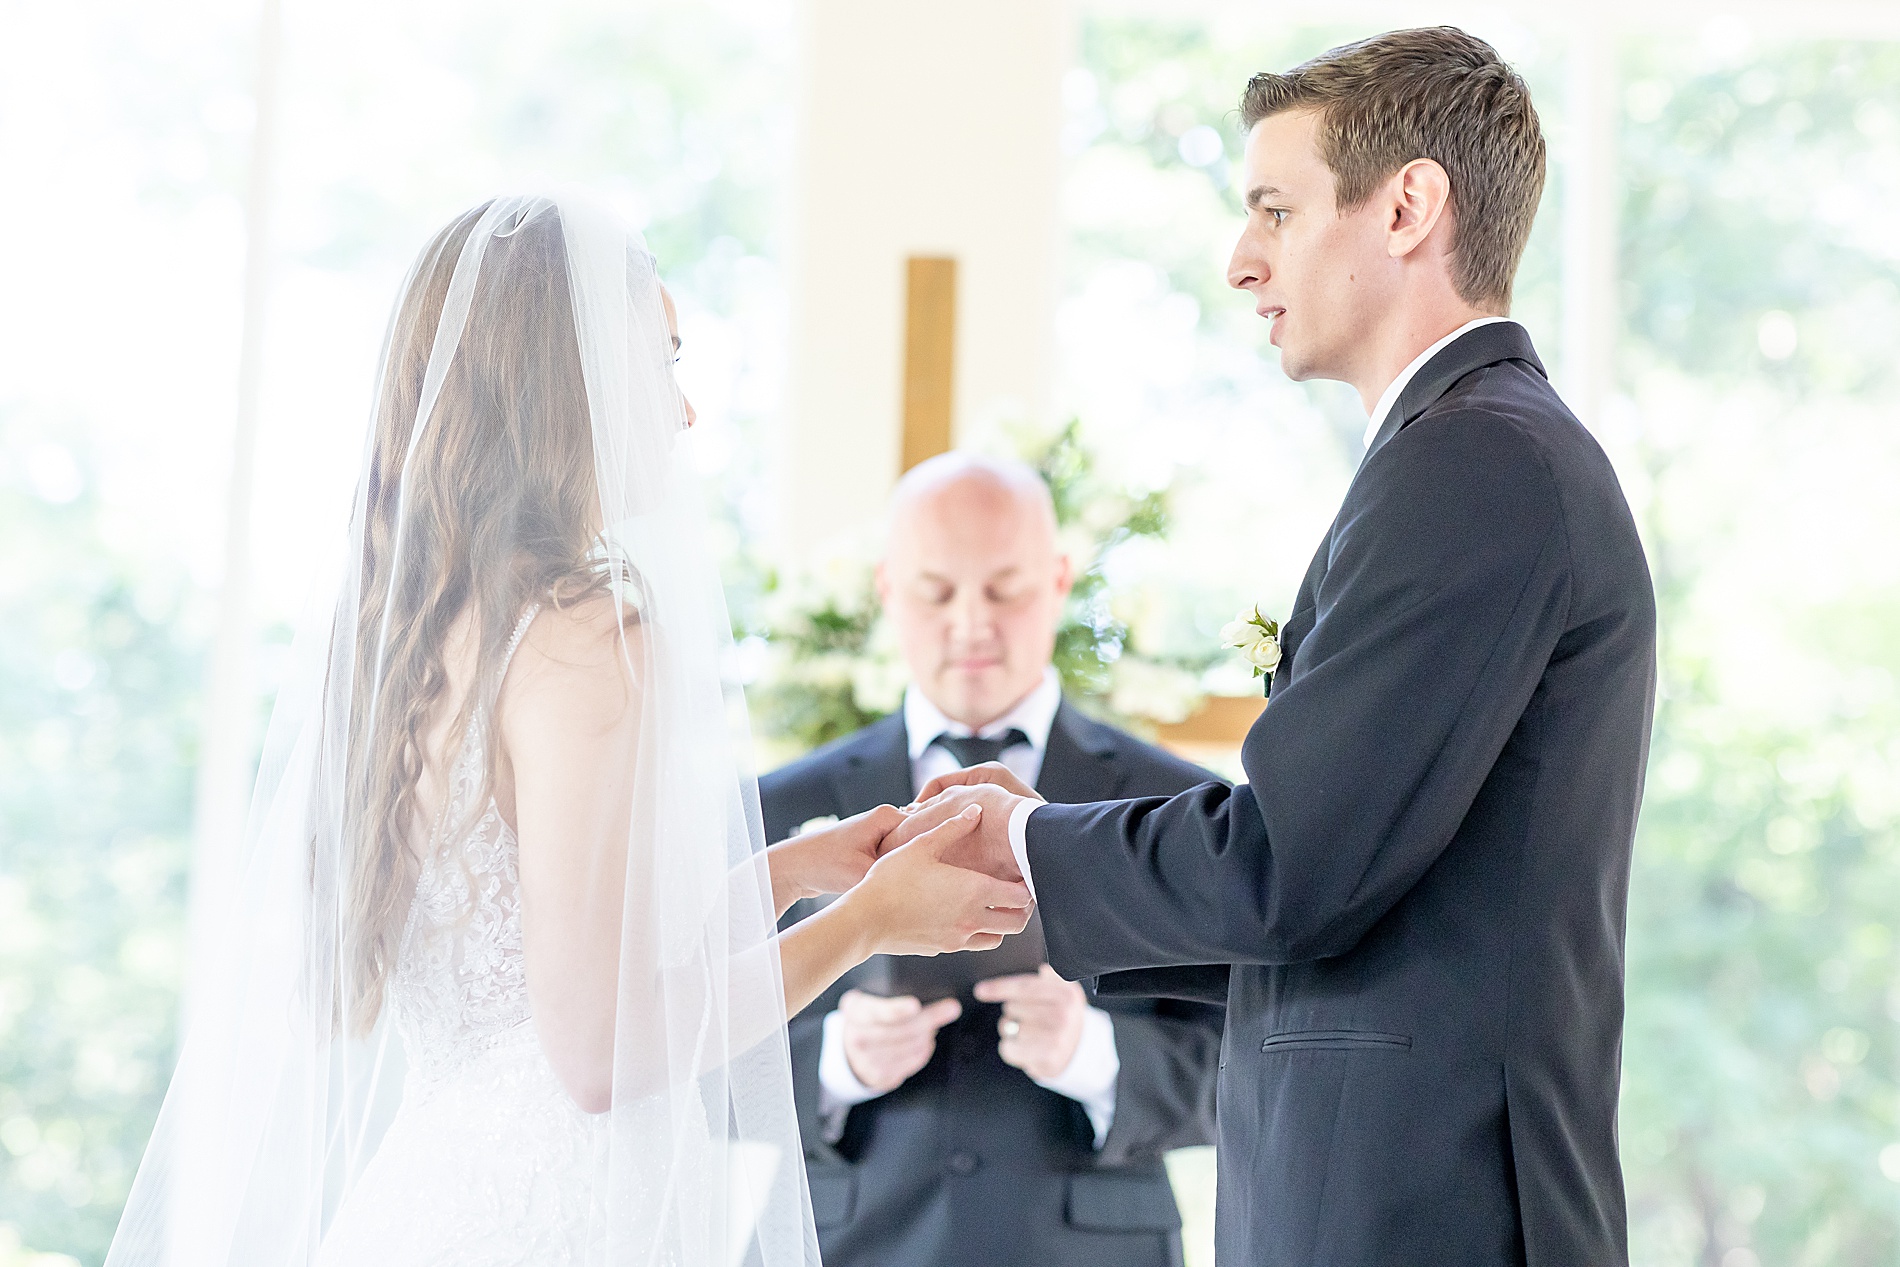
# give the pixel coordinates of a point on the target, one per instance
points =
(1318, 276)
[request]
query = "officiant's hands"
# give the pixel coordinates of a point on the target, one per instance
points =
(1042, 1020)
(888, 1040)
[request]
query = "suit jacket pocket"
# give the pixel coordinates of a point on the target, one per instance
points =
(1100, 1201)
(834, 1190)
(1335, 1040)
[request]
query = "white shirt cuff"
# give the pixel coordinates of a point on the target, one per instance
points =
(838, 1088)
(1019, 839)
(1090, 1078)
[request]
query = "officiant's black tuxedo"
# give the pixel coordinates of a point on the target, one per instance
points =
(1415, 907)
(969, 1163)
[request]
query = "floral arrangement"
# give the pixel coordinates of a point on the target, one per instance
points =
(831, 666)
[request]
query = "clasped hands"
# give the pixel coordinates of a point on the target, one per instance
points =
(936, 875)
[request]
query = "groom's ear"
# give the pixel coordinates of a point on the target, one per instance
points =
(1418, 199)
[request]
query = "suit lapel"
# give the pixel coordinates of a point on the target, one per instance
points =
(1487, 345)
(875, 769)
(1079, 764)
(1299, 621)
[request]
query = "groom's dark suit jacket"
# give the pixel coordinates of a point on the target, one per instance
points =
(1415, 907)
(969, 1163)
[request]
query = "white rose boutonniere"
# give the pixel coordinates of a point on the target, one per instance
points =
(1257, 638)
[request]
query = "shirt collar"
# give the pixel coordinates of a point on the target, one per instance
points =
(1398, 385)
(1033, 714)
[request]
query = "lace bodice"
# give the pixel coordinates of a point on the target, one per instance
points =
(488, 1162)
(460, 981)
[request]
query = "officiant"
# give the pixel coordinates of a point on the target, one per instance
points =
(1013, 1120)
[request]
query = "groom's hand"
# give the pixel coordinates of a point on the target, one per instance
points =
(987, 772)
(985, 849)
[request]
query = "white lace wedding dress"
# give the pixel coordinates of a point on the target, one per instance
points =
(487, 1162)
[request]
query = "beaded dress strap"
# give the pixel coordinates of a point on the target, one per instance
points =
(514, 642)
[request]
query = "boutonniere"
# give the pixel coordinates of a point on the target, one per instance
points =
(1257, 638)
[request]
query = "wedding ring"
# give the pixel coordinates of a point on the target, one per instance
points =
(1010, 1028)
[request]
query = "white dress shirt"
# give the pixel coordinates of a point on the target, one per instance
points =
(1091, 1073)
(1397, 386)
(1019, 819)
(1034, 715)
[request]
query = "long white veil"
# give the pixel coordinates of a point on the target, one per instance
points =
(529, 333)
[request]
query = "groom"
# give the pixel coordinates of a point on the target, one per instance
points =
(1414, 909)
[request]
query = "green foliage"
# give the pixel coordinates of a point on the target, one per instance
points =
(1746, 193)
(1762, 1057)
(1761, 1051)
(823, 684)
(97, 688)
(1092, 639)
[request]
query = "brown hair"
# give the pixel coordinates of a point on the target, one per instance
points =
(498, 508)
(1437, 93)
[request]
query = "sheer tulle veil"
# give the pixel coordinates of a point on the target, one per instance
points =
(468, 508)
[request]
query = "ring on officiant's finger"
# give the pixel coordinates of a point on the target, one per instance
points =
(1010, 1028)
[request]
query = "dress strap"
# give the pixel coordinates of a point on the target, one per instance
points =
(514, 642)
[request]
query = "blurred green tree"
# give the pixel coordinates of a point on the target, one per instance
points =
(1762, 1058)
(98, 682)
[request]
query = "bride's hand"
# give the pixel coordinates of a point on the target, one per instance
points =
(829, 859)
(912, 902)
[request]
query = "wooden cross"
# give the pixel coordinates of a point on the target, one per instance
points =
(930, 353)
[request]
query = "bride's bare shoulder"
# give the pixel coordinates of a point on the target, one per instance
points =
(577, 666)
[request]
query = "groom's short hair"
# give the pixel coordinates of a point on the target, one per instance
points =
(1437, 93)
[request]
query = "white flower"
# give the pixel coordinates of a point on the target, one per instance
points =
(1256, 637)
(816, 824)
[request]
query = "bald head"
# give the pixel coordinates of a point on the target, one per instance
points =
(965, 489)
(973, 582)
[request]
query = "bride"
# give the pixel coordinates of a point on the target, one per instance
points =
(502, 983)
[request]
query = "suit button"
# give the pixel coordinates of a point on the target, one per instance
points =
(965, 1163)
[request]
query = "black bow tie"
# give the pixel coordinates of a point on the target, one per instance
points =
(971, 750)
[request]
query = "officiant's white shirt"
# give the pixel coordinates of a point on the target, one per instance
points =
(1019, 820)
(1090, 1077)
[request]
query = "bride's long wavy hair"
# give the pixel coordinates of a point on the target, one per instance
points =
(495, 508)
